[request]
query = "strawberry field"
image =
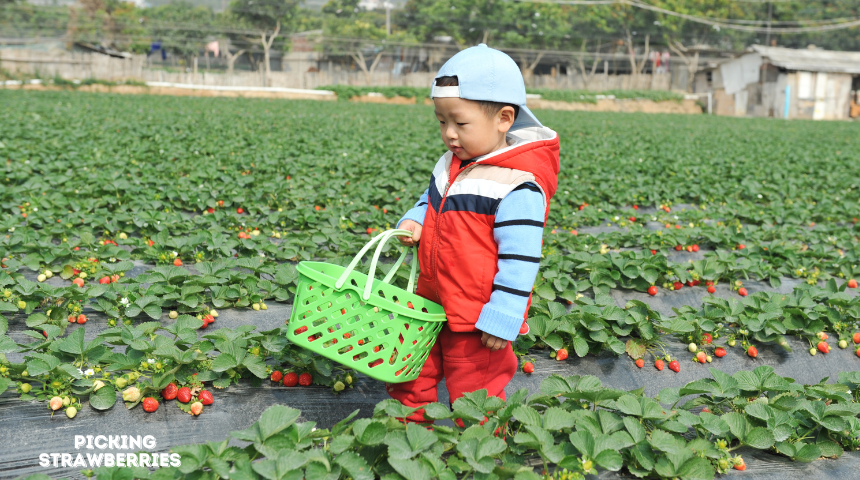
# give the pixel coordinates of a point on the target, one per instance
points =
(695, 313)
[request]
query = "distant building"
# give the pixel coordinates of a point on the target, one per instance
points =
(787, 83)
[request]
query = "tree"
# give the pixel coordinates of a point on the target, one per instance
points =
(268, 17)
(588, 76)
(181, 27)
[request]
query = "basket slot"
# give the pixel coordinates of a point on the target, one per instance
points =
(369, 326)
(401, 338)
(348, 335)
(359, 356)
(315, 336)
(329, 343)
(393, 357)
(383, 333)
(319, 321)
(375, 363)
(345, 349)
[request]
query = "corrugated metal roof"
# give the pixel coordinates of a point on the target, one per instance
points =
(810, 60)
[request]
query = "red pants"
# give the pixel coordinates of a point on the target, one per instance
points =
(465, 363)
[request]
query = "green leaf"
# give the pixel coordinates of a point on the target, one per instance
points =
(760, 438)
(103, 398)
(355, 466)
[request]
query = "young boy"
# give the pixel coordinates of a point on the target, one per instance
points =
(480, 225)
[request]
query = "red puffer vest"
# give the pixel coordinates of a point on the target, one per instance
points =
(457, 252)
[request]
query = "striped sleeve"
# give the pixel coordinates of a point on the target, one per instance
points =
(518, 231)
(418, 212)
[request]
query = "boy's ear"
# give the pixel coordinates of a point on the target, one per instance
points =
(506, 118)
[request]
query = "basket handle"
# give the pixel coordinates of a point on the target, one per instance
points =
(382, 238)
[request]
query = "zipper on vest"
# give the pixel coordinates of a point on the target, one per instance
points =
(448, 185)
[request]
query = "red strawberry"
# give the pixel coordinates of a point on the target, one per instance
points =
(742, 292)
(707, 338)
(709, 282)
(640, 363)
(196, 408)
(305, 379)
(150, 404)
(695, 248)
(675, 366)
(205, 397)
(706, 410)
(73, 318)
(104, 280)
(653, 252)
(852, 283)
(184, 395)
(856, 337)
(277, 376)
(79, 282)
(752, 352)
(701, 357)
(301, 330)
(659, 364)
(711, 289)
(210, 210)
(652, 290)
(82, 319)
(823, 347)
(689, 248)
(632, 219)
(678, 247)
(720, 352)
(291, 379)
(561, 354)
(170, 391)
(150, 242)
(239, 210)
(528, 367)
(177, 262)
(678, 285)
(635, 207)
(857, 352)
(741, 246)
(114, 278)
(208, 318)
(740, 465)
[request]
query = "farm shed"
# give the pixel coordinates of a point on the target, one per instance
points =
(785, 83)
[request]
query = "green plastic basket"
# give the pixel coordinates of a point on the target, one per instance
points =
(367, 324)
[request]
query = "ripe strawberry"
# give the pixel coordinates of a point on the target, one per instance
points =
(305, 379)
(220, 203)
(177, 262)
(695, 248)
(711, 289)
(857, 352)
(301, 330)
(707, 338)
(196, 408)
(742, 292)
(652, 290)
(632, 219)
(852, 283)
(561, 354)
(640, 363)
(291, 379)
(677, 285)
(82, 319)
(79, 282)
(658, 364)
(720, 352)
(701, 357)
(706, 410)
(184, 395)
(528, 367)
(709, 283)
(150, 404)
(678, 247)
(104, 280)
(823, 347)
(752, 351)
(741, 246)
(150, 242)
(740, 465)
(73, 318)
(114, 278)
(239, 210)
(635, 207)
(675, 366)
(856, 337)
(170, 391)
(205, 397)
(277, 376)
(689, 248)
(210, 210)
(653, 252)
(208, 318)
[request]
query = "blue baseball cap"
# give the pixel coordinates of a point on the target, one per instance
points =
(487, 74)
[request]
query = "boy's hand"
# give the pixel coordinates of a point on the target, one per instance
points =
(413, 227)
(492, 342)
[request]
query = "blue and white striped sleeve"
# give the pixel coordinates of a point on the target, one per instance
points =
(418, 212)
(518, 231)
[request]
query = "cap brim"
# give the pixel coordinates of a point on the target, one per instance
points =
(525, 119)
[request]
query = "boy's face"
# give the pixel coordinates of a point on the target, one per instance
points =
(467, 130)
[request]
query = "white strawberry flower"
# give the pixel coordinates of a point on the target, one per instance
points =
(12, 229)
(89, 372)
(35, 209)
(151, 360)
(174, 253)
(124, 301)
